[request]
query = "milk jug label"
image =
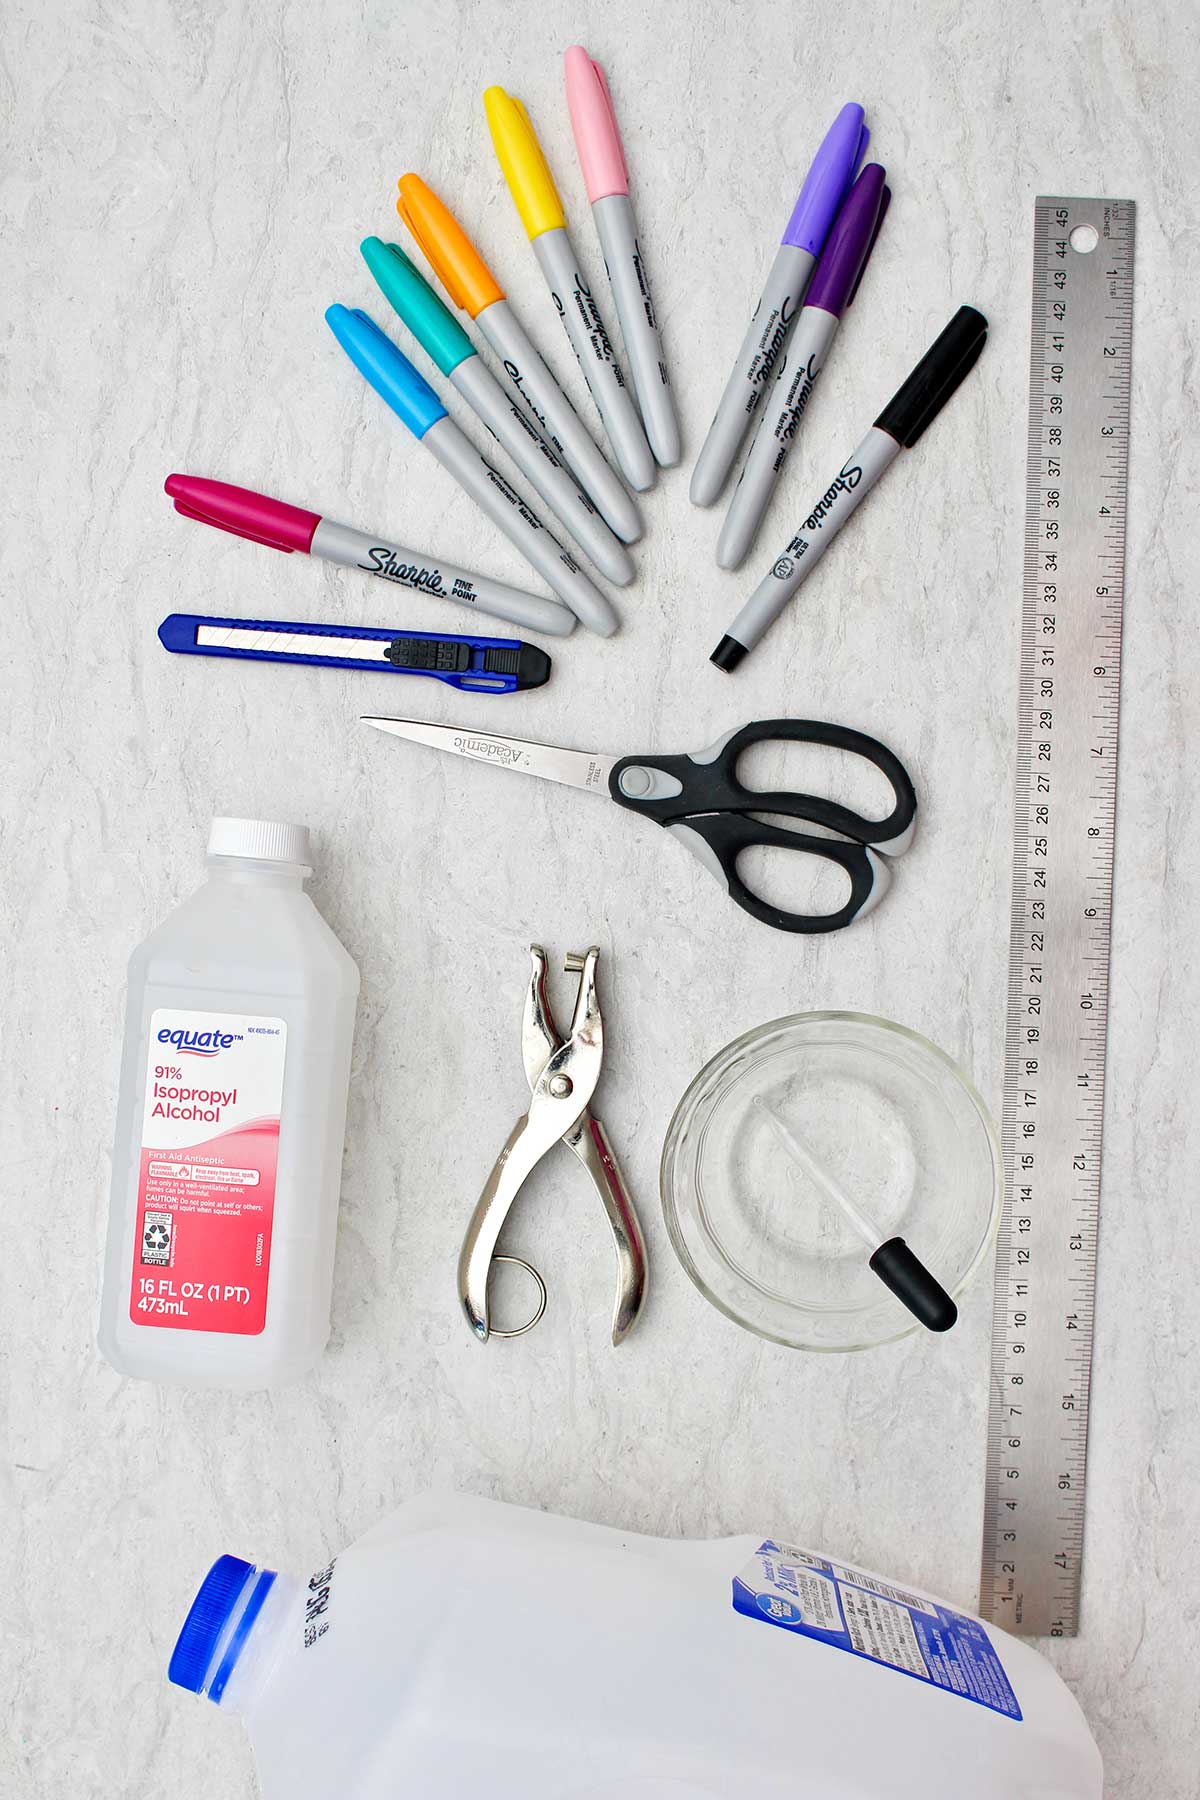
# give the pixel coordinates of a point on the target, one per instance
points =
(206, 1184)
(850, 1610)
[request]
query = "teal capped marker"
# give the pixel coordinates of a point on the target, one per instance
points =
(410, 396)
(407, 292)
(446, 343)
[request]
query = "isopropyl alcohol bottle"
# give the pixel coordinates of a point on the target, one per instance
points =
(230, 1125)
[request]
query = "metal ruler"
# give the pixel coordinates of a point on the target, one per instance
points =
(1053, 1113)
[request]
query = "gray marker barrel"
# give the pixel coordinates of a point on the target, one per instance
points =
(795, 377)
(518, 521)
(430, 575)
(557, 419)
(591, 343)
(848, 489)
(617, 230)
(905, 418)
(537, 462)
(761, 348)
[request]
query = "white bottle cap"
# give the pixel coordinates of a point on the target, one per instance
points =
(266, 840)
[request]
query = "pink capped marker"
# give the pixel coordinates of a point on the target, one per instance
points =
(606, 178)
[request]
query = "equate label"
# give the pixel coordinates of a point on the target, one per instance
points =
(206, 1185)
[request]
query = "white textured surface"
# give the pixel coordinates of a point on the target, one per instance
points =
(183, 191)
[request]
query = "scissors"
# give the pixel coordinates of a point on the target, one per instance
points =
(700, 801)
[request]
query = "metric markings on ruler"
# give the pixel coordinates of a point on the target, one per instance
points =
(1077, 460)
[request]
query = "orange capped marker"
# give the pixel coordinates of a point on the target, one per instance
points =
(472, 286)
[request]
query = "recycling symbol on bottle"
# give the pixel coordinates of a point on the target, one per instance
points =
(157, 1237)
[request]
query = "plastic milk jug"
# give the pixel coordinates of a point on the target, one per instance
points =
(230, 1125)
(465, 1648)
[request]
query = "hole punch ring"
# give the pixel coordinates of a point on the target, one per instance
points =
(541, 1288)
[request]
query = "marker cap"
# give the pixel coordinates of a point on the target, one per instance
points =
(832, 171)
(524, 167)
(243, 512)
(849, 244)
(404, 287)
(728, 654)
(447, 248)
(948, 359)
(387, 369)
(885, 200)
(594, 123)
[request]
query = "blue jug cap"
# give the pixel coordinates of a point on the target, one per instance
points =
(220, 1599)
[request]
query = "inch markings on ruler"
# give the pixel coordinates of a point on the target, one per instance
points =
(1058, 973)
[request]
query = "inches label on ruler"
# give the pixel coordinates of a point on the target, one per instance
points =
(1061, 910)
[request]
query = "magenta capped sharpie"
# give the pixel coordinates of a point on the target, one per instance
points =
(288, 528)
(951, 356)
(832, 171)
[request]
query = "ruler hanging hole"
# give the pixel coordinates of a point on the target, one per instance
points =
(1084, 239)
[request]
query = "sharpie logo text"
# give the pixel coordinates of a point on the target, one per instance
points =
(383, 561)
(518, 380)
(845, 483)
(593, 325)
(772, 342)
(799, 395)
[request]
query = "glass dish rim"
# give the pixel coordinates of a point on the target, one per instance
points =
(843, 1016)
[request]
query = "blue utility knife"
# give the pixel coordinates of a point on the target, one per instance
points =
(484, 665)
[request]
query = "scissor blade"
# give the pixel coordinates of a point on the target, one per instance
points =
(577, 768)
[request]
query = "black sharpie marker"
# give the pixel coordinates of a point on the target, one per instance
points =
(283, 527)
(897, 428)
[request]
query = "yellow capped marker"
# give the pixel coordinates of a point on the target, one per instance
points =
(525, 168)
(472, 286)
(536, 198)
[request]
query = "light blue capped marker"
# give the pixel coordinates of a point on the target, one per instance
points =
(386, 368)
(410, 396)
(447, 345)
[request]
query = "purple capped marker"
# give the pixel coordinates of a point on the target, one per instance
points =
(824, 187)
(830, 292)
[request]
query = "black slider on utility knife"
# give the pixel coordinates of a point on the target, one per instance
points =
(483, 665)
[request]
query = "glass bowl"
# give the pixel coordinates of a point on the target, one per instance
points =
(873, 1110)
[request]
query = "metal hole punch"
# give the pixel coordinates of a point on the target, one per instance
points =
(562, 1074)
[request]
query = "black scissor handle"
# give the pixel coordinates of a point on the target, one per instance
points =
(706, 782)
(723, 838)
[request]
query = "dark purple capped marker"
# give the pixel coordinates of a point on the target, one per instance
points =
(832, 288)
(850, 243)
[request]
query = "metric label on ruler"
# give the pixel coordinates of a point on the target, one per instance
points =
(1061, 908)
